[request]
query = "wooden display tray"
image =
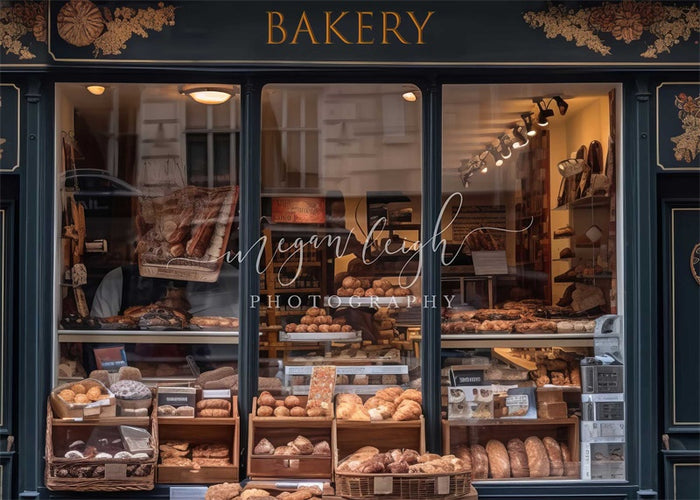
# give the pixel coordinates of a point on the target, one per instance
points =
(281, 430)
(456, 432)
(198, 430)
(351, 435)
(91, 411)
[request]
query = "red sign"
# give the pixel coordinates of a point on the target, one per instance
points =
(299, 210)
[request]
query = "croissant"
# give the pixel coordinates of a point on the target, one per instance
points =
(389, 394)
(408, 410)
(348, 398)
(351, 411)
(411, 394)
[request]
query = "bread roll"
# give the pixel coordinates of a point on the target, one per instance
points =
(556, 463)
(302, 444)
(297, 411)
(265, 411)
(291, 401)
(537, 459)
(266, 399)
(518, 458)
(321, 448)
(281, 411)
(264, 447)
(480, 462)
(499, 463)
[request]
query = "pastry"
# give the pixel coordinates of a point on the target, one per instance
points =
(518, 458)
(223, 491)
(321, 448)
(410, 394)
(214, 413)
(210, 450)
(78, 389)
(220, 404)
(67, 395)
(351, 411)
(537, 458)
(264, 447)
(265, 411)
(389, 393)
(348, 398)
(480, 462)
(302, 444)
(556, 462)
(408, 410)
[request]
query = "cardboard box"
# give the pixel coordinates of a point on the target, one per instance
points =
(602, 461)
(514, 402)
(470, 402)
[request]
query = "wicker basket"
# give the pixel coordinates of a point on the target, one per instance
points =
(99, 475)
(447, 486)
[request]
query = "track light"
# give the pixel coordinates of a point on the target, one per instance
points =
(527, 119)
(544, 113)
(521, 139)
(504, 146)
(561, 104)
(496, 156)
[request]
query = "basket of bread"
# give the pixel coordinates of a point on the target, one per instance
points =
(401, 473)
(88, 398)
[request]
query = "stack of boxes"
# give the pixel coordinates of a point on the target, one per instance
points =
(603, 405)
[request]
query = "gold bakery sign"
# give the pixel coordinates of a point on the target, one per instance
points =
(358, 28)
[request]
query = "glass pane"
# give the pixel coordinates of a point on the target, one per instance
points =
(147, 209)
(529, 274)
(337, 159)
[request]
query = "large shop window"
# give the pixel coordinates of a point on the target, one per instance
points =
(531, 337)
(341, 197)
(146, 215)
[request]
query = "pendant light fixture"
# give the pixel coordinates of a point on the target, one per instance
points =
(496, 155)
(544, 113)
(521, 139)
(504, 146)
(527, 119)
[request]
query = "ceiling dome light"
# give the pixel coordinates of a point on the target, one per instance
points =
(527, 119)
(209, 95)
(409, 96)
(96, 89)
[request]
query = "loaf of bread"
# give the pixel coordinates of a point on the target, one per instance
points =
(518, 458)
(218, 374)
(537, 459)
(462, 452)
(480, 462)
(565, 453)
(556, 463)
(499, 463)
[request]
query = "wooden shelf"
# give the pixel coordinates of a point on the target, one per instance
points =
(517, 340)
(587, 202)
(148, 336)
(104, 421)
(196, 421)
(511, 422)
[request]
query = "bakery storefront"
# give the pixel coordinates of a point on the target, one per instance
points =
(349, 249)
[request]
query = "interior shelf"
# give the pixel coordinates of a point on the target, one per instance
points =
(517, 340)
(148, 336)
(587, 202)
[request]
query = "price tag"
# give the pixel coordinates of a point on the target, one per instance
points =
(187, 492)
(115, 471)
(383, 485)
(442, 485)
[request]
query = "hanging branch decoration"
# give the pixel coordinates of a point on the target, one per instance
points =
(19, 21)
(626, 21)
(81, 23)
(687, 145)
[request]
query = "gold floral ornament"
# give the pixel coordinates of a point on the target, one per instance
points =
(687, 145)
(18, 20)
(626, 21)
(81, 23)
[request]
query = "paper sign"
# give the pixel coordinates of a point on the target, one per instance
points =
(188, 492)
(383, 485)
(299, 210)
(489, 263)
(115, 471)
(442, 485)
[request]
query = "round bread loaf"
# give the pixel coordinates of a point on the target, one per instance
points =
(556, 463)
(499, 463)
(518, 458)
(480, 462)
(537, 458)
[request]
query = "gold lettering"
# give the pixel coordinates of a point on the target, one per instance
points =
(330, 26)
(303, 20)
(421, 26)
(386, 29)
(361, 27)
(271, 27)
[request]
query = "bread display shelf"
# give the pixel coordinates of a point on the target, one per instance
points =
(364, 390)
(103, 422)
(351, 435)
(315, 337)
(280, 430)
(587, 202)
(470, 432)
(517, 340)
(339, 362)
(149, 336)
(198, 430)
(335, 301)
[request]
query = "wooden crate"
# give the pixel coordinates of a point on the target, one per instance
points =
(281, 430)
(115, 472)
(469, 432)
(199, 430)
(351, 435)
